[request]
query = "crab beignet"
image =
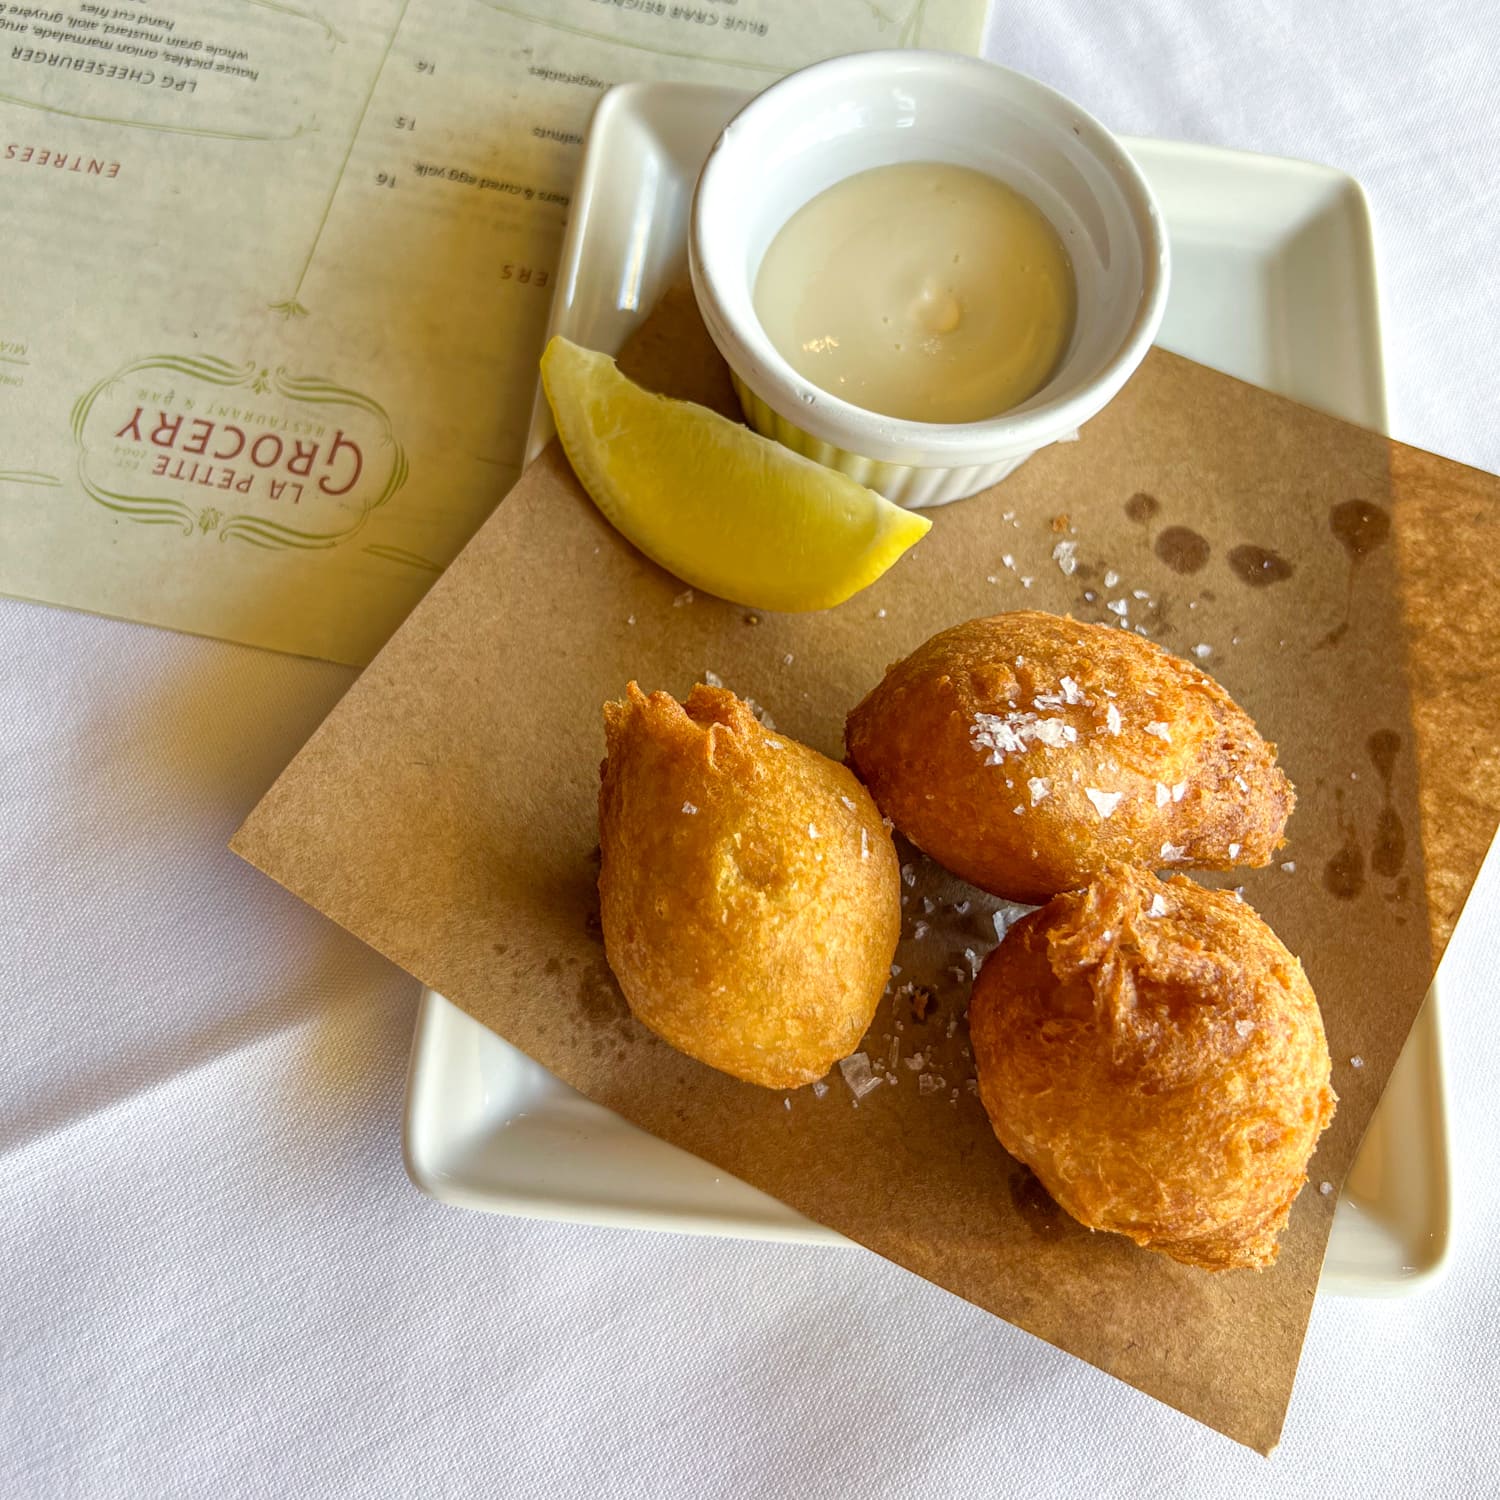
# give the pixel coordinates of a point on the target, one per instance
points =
(1026, 751)
(1156, 1056)
(749, 889)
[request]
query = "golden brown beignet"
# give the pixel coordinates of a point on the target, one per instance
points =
(1156, 1056)
(749, 889)
(1026, 751)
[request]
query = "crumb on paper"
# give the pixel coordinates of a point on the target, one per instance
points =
(712, 678)
(858, 1074)
(1289, 867)
(1325, 1188)
(1119, 607)
(685, 597)
(1356, 1061)
(787, 660)
(919, 930)
(880, 614)
(929, 1083)
(1061, 522)
(1203, 651)
(920, 999)
(630, 619)
(689, 808)
(786, 1102)
(1111, 578)
(1027, 582)
(1064, 554)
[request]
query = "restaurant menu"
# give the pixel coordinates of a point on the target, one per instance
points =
(274, 279)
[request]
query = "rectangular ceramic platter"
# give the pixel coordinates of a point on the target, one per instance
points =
(1273, 281)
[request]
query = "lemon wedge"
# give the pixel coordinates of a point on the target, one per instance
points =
(723, 508)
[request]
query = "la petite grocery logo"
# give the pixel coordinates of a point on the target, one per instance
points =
(237, 452)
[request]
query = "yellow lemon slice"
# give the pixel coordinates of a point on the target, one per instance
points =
(723, 508)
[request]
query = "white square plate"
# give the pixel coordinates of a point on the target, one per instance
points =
(1273, 281)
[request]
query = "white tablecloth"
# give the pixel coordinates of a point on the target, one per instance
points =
(215, 1278)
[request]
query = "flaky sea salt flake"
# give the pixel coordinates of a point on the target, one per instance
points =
(1158, 907)
(1161, 730)
(1203, 651)
(819, 1089)
(688, 807)
(1234, 851)
(1179, 791)
(1072, 693)
(1119, 607)
(1163, 794)
(1244, 1028)
(1111, 578)
(1104, 802)
(1040, 788)
(858, 1074)
(685, 597)
(1173, 853)
(1356, 1062)
(1064, 554)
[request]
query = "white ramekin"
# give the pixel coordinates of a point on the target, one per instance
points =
(836, 118)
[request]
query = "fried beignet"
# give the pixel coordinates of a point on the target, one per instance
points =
(1026, 751)
(749, 889)
(1156, 1056)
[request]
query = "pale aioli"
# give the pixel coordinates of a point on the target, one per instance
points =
(923, 291)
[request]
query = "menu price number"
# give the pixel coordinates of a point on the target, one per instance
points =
(406, 122)
(426, 67)
(385, 179)
(525, 275)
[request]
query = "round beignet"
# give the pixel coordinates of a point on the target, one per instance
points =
(1026, 751)
(1156, 1056)
(749, 890)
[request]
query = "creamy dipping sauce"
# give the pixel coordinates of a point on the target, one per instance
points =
(922, 291)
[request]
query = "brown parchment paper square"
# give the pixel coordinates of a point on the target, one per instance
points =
(1342, 587)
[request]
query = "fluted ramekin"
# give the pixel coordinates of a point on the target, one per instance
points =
(827, 122)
